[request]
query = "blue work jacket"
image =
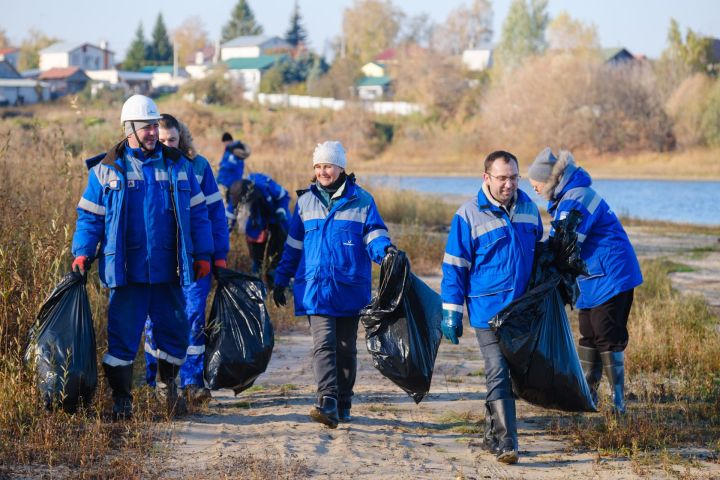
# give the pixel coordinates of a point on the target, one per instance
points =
(149, 217)
(231, 167)
(329, 252)
(216, 208)
(489, 256)
(610, 258)
(270, 208)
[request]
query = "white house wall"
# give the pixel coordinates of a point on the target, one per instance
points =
(250, 79)
(53, 60)
(239, 52)
(92, 58)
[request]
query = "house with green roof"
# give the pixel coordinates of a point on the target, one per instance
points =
(375, 83)
(164, 77)
(249, 70)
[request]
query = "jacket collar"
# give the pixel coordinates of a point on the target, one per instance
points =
(113, 156)
(487, 202)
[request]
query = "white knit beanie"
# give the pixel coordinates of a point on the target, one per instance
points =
(331, 152)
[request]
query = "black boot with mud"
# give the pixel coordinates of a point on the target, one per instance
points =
(326, 412)
(490, 441)
(167, 388)
(506, 430)
(119, 379)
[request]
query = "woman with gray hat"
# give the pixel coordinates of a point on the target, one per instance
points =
(606, 293)
(334, 234)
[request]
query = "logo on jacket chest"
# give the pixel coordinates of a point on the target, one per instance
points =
(348, 243)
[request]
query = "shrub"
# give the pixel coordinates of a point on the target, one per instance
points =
(711, 116)
(685, 107)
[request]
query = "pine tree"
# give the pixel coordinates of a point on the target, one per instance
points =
(296, 33)
(137, 54)
(160, 48)
(242, 22)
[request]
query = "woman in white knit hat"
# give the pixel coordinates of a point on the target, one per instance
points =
(335, 233)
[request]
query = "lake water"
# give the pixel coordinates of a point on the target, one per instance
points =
(694, 202)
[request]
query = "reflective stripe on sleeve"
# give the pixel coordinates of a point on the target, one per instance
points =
(229, 215)
(581, 237)
(453, 307)
(456, 261)
(91, 207)
(162, 176)
(182, 176)
(197, 199)
(296, 244)
(592, 206)
(380, 232)
(215, 197)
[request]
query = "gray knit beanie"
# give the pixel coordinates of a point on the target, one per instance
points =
(542, 166)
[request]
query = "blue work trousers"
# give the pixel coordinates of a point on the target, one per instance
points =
(191, 372)
(497, 370)
(130, 306)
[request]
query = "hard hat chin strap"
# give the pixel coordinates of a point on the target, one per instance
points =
(142, 145)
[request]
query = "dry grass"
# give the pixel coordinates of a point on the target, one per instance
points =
(673, 347)
(674, 377)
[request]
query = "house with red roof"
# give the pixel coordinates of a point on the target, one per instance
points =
(64, 81)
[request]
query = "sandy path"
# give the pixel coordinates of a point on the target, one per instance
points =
(390, 436)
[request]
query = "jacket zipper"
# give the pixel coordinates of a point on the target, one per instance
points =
(177, 223)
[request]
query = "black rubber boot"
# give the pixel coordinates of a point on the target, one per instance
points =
(592, 368)
(344, 415)
(176, 405)
(120, 380)
(614, 365)
(490, 441)
(326, 412)
(344, 411)
(505, 429)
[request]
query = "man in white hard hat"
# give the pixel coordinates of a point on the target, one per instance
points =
(144, 208)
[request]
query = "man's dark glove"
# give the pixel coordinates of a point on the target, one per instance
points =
(279, 296)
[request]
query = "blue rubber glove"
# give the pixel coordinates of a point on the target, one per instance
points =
(452, 325)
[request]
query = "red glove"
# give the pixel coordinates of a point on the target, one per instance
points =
(220, 263)
(201, 268)
(80, 264)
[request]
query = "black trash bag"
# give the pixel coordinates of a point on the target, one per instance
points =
(534, 333)
(239, 336)
(402, 327)
(535, 338)
(62, 346)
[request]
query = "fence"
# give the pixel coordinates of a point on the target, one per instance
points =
(304, 101)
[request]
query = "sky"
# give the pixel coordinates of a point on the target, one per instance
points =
(639, 25)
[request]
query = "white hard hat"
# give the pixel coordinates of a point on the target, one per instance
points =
(139, 107)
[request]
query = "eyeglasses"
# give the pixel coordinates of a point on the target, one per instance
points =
(503, 178)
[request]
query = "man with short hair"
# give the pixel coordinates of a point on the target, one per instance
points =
(144, 208)
(488, 262)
